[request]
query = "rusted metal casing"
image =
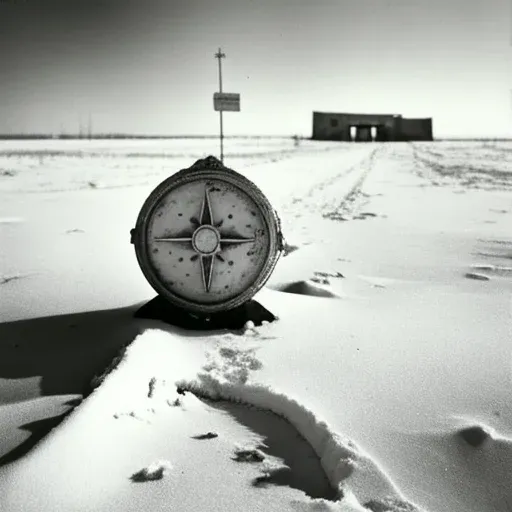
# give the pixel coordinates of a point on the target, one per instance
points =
(207, 239)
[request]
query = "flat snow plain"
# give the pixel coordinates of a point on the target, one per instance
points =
(384, 385)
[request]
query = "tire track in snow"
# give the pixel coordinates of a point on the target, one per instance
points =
(446, 167)
(348, 203)
(324, 199)
(332, 181)
(333, 198)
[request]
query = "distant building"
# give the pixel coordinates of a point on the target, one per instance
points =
(368, 127)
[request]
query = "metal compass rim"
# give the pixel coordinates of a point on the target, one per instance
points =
(207, 169)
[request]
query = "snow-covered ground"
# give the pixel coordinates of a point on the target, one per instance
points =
(384, 385)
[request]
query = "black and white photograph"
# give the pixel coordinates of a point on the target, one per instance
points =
(256, 256)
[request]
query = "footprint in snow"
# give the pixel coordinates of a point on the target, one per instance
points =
(320, 280)
(499, 270)
(16, 277)
(249, 455)
(477, 276)
(323, 277)
(208, 435)
(280, 455)
(365, 215)
(308, 288)
(155, 471)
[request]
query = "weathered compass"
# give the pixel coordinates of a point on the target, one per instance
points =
(207, 239)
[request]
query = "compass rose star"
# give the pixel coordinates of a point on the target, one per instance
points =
(206, 240)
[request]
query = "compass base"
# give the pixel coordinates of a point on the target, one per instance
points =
(233, 319)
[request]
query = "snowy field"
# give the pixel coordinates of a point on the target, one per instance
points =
(384, 385)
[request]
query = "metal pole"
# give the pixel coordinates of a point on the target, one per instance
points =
(220, 112)
(219, 55)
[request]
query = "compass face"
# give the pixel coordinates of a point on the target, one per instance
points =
(207, 239)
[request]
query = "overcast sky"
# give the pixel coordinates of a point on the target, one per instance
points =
(148, 67)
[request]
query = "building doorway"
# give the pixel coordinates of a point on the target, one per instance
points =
(367, 133)
(362, 133)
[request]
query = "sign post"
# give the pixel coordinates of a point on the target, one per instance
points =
(224, 101)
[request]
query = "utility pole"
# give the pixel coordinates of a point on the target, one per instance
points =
(89, 127)
(219, 55)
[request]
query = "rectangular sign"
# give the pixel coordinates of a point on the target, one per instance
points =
(226, 101)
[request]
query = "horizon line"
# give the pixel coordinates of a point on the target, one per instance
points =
(106, 136)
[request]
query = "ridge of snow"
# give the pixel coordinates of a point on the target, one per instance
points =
(357, 478)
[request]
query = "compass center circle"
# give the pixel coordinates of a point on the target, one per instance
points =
(205, 240)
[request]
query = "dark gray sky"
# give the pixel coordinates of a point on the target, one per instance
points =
(147, 66)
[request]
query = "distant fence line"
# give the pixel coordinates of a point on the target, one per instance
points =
(128, 137)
